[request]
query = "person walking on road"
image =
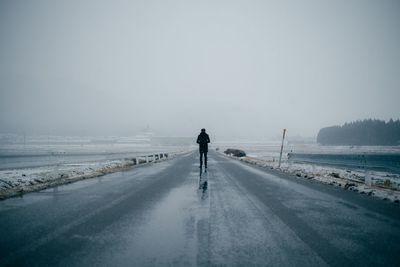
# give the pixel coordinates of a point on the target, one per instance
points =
(203, 139)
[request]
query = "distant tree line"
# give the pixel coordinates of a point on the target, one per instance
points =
(366, 132)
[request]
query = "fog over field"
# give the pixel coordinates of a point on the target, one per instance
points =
(237, 68)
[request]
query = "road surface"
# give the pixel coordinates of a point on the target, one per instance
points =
(166, 215)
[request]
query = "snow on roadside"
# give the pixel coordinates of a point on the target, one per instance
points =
(383, 185)
(18, 181)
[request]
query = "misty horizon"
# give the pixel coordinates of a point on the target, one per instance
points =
(239, 69)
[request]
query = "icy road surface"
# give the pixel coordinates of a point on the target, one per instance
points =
(167, 215)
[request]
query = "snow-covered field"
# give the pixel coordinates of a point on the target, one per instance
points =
(45, 161)
(34, 163)
(17, 181)
(271, 150)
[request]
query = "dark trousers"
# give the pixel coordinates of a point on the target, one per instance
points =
(205, 158)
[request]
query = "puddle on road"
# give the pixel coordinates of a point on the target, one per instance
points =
(173, 231)
(203, 184)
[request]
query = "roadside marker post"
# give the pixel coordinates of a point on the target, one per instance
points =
(280, 156)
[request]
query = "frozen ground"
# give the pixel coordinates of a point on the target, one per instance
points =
(164, 215)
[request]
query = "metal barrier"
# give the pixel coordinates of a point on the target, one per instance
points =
(374, 162)
(149, 158)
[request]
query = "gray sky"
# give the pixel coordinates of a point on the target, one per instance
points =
(237, 68)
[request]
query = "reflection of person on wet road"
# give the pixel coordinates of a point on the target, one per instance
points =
(203, 139)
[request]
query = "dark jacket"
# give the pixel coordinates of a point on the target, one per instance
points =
(203, 139)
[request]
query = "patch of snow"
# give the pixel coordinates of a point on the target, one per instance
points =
(17, 181)
(383, 185)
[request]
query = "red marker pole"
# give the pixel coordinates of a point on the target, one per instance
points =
(283, 139)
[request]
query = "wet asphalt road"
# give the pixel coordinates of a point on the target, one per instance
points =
(165, 214)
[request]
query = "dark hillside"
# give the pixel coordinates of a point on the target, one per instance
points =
(366, 132)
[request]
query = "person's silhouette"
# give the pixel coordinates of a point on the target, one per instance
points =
(203, 139)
